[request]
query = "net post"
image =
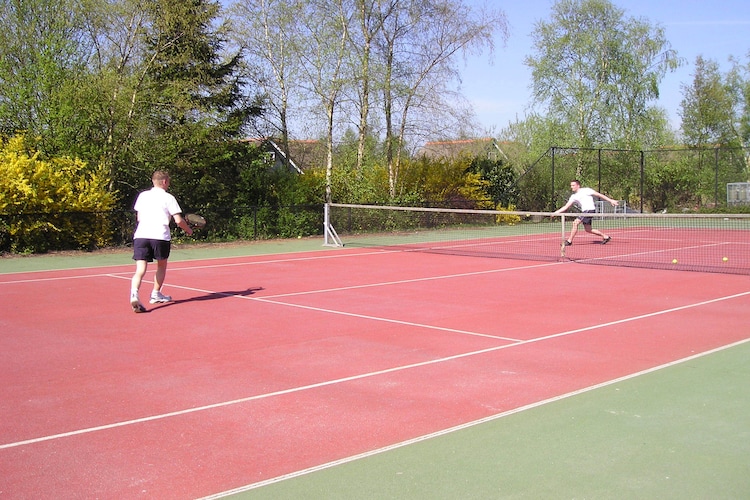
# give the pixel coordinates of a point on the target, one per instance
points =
(330, 237)
(562, 236)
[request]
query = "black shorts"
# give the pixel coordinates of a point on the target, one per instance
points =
(586, 220)
(150, 250)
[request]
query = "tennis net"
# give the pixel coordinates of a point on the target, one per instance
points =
(690, 242)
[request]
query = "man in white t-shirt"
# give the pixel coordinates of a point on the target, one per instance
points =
(584, 198)
(155, 209)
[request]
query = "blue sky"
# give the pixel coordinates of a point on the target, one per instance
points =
(499, 88)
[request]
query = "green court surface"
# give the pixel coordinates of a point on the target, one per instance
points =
(180, 252)
(682, 431)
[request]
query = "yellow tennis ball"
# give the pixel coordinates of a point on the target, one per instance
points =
(674, 261)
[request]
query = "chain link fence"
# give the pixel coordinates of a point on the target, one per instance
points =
(45, 232)
(648, 181)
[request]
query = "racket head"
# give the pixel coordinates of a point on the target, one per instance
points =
(195, 221)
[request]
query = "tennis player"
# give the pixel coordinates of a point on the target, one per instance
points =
(583, 197)
(155, 209)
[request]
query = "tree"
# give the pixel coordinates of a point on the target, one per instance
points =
(743, 84)
(597, 72)
(269, 33)
(323, 57)
(192, 99)
(500, 180)
(108, 100)
(370, 16)
(708, 108)
(42, 54)
(417, 50)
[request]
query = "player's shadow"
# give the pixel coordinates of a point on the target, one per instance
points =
(212, 296)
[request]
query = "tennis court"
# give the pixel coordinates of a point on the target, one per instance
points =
(373, 371)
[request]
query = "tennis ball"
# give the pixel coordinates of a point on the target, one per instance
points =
(674, 261)
(725, 259)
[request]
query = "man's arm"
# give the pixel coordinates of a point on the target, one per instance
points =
(606, 198)
(564, 207)
(182, 224)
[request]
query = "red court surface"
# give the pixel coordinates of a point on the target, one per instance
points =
(265, 366)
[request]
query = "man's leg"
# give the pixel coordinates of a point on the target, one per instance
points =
(161, 273)
(574, 230)
(135, 285)
(140, 272)
(605, 238)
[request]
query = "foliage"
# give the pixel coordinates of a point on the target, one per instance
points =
(368, 184)
(445, 182)
(509, 219)
(597, 72)
(742, 82)
(41, 51)
(500, 178)
(37, 192)
(675, 184)
(273, 202)
(710, 107)
(132, 86)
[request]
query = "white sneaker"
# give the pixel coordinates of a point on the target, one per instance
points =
(159, 298)
(135, 303)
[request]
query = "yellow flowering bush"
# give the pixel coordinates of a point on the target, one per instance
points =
(51, 204)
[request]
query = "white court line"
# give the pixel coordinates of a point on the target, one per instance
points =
(354, 377)
(345, 313)
(268, 299)
(173, 260)
(460, 427)
(415, 280)
(174, 266)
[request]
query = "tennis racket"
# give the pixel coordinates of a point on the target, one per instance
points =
(195, 221)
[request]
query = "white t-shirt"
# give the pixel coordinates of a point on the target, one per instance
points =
(584, 198)
(155, 209)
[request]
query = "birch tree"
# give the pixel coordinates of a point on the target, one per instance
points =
(419, 49)
(598, 71)
(271, 37)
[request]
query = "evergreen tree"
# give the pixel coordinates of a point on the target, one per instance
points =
(194, 101)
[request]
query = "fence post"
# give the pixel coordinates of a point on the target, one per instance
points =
(716, 176)
(643, 165)
(554, 195)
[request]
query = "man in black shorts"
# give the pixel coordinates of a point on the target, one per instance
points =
(155, 208)
(584, 198)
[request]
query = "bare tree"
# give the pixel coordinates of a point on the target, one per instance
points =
(270, 33)
(379, 61)
(323, 55)
(418, 49)
(370, 15)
